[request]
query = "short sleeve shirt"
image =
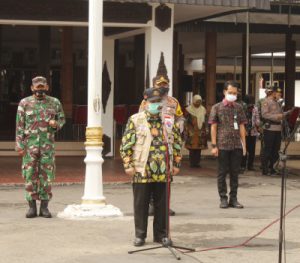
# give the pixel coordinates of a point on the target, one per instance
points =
(225, 114)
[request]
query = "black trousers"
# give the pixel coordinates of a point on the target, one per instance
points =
(272, 142)
(248, 159)
(195, 157)
(141, 198)
(229, 162)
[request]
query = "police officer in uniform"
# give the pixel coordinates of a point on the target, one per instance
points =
(268, 91)
(39, 117)
(272, 117)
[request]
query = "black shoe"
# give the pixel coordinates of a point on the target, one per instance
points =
(251, 168)
(32, 212)
(265, 172)
(224, 203)
(138, 242)
(171, 212)
(235, 204)
(44, 212)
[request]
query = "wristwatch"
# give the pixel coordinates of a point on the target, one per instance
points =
(214, 146)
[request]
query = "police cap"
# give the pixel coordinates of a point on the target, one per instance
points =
(160, 81)
(276, 89)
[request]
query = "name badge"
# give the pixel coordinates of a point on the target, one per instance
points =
(235, 125)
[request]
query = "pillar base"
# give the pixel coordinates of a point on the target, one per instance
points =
(89, 212)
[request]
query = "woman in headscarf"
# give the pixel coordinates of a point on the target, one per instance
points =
(195, 130)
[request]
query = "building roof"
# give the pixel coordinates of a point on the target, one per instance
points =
(259, 4)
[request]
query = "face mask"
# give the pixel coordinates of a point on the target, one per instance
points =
(154, 108)
(230, 97)
(164, 91)
(40, 94)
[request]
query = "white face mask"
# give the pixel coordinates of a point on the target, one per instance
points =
(230, 97)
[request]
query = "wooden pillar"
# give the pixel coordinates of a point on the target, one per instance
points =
(210, 68)
(139, 58)
(67, 71)
(290, 70)
(44, 52)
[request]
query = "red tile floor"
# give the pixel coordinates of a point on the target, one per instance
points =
(72, 170)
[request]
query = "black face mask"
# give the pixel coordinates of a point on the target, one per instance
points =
(40, 94)
(163, 91)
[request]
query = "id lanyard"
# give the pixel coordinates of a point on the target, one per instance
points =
(235, 123)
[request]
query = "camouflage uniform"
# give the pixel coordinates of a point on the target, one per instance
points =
(35, 136)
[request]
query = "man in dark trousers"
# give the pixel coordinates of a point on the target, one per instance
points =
(228, 140)
(272, 116)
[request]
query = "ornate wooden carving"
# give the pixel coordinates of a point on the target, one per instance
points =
(106, 144)
(162, 69)
(106, 86)
(163, 16)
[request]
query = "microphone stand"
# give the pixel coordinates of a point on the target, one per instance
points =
(283, 159)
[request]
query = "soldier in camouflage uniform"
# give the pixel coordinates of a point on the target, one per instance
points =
(170, 108)
(38, 118)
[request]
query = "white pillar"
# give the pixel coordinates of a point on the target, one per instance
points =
(93, 200)
(93, 190)
(156, 42)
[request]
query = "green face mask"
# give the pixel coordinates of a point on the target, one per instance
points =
(154, 108)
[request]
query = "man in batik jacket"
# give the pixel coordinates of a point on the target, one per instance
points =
(151, 153)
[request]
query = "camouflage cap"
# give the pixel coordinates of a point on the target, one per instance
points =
(39, 80)
(152, 94)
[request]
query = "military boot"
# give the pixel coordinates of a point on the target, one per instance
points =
(44, 212)
(32, 209)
